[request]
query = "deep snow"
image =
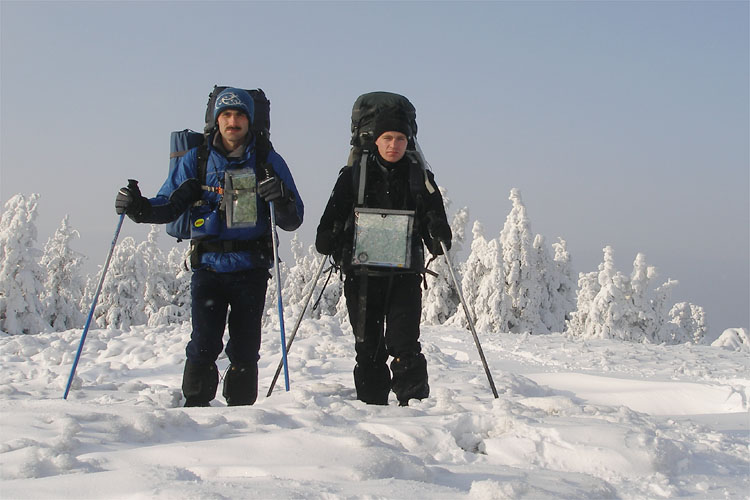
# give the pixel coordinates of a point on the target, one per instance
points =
(575, 419)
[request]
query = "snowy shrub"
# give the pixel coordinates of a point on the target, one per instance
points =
(736, 339)
(21, 276)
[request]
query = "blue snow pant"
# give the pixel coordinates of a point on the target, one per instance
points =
(391, 328)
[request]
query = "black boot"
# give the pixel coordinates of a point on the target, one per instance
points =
(410, 378)
(373, 383)
(199, 384)
(241, 384)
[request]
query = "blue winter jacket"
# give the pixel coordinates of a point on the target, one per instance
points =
(289, 215)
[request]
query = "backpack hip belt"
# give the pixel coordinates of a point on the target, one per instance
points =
(199, 247)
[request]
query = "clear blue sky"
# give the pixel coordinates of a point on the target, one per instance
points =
(622, 123)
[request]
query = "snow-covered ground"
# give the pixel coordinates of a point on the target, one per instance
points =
(575, 419)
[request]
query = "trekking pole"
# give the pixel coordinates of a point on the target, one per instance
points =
(277, 272)
(93, 306)
(468, 318)
(296, 325)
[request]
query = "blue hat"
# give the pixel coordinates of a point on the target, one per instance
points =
(231, 98)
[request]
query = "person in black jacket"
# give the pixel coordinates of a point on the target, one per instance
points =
(385, 303)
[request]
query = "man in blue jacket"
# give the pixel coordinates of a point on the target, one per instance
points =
(231, 249)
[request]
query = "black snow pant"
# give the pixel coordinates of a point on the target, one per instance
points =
(243, 295)
(392, 309)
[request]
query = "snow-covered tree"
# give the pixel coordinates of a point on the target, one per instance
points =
(298, 280)
(512, 284)
(157, 277)
(21, 276)
(342, 312)
(474, 269)
(121, 303)
(610, 308)
(64, 286)
(271, 314)
(492, 307)
(176, 291)
(440, 301)
(588, 288)
(621, 307)
(562, 286)
(332, 288)
(657, 317)
(523, 285)
(548, 281)
(690, 323)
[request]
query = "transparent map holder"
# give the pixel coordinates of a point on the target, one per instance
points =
(239, 193)
(382, 237)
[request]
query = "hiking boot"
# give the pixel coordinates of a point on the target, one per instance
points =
(373, 383)
(199, 384)
(410, 378)
(241, 384)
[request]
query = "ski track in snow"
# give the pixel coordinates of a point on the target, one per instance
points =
(575, 419)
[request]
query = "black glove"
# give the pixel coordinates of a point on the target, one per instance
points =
(188, 193)
(130, 201)
(327, 240)
(272, 189)
(439, 231)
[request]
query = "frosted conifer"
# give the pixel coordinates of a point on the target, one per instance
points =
(440, 301)
(690, 323)
(157, 276)
(21, 276)
(121, 302)
(523, 285)
(176, 291)
(65, 283)
(562, 286)
(474, 269)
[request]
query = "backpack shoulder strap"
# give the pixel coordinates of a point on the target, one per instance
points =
(361, 171)
(358, 163)
(202, 162)
(418, 179)
(419, 182)
(263, 148)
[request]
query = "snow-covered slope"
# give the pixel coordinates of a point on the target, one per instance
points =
(575, 419)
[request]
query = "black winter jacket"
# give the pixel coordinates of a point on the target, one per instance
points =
(387, 187)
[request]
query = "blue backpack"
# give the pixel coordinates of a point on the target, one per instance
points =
(181, 141)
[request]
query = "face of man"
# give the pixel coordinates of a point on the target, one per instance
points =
(233, 127)
(392, 146)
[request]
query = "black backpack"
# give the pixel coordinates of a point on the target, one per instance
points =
(365, 111)
(183, 140)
